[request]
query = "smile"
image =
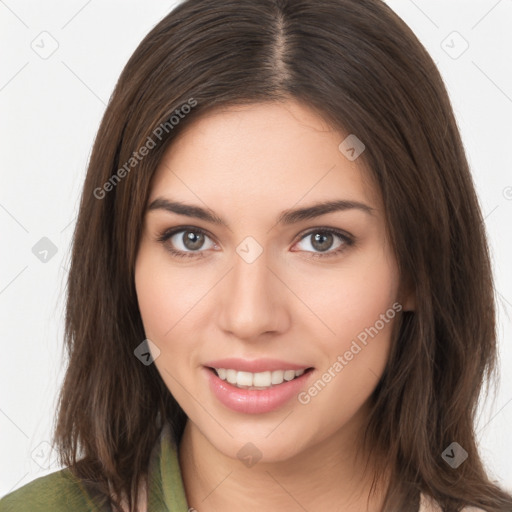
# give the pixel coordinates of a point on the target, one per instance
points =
(243, 396)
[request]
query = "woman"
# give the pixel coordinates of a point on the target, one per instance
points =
(280, 294)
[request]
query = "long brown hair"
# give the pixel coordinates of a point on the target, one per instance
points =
(362, 69)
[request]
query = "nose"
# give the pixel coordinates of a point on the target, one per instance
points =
(252, 300)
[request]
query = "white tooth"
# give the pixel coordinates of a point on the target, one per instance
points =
(231, 376)
(262, 379)
(244, 378)
(277, 377)
(289, 374)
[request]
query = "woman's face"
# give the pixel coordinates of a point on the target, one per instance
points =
(264, 287)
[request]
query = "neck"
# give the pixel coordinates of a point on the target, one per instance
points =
(326, 476)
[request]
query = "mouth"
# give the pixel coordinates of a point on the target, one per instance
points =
(270, 385)
(257, 381)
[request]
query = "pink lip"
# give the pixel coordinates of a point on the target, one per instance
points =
(255, 366)
(254, 401)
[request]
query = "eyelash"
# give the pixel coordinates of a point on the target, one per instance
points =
(347, 240)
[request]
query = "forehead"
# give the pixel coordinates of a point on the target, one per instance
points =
(262, 154)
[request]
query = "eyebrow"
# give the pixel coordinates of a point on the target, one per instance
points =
(286, 217)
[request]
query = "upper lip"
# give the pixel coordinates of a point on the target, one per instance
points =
(255, 365)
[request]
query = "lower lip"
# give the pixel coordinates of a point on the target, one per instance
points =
(254, 401)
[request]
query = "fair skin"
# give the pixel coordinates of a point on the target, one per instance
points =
(247, 165)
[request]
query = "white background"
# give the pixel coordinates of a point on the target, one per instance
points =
(50, 110)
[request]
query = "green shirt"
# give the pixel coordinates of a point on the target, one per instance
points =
(62, 492)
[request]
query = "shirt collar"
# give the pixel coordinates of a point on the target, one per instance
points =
(166, 489)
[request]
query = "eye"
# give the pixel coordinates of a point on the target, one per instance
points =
(322, 239)
(185, 242)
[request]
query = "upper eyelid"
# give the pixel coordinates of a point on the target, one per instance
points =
(167, 233)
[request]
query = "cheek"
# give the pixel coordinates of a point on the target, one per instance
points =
(352, 297)
(165, 296)
(359, 306)
(154, 303)
(165, 309)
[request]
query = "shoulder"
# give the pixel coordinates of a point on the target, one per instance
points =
(428, 504)
(57, 492)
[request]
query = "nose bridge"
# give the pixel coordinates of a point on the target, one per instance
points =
(250, 299)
